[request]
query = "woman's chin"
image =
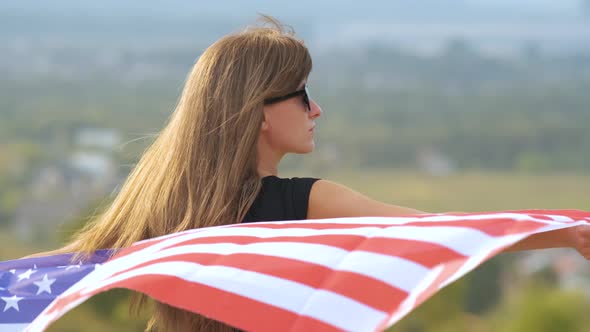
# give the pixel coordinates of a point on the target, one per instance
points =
(306, 149)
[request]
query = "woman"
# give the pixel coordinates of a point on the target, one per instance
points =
(244, 106)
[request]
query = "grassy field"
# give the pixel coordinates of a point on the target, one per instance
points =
(470, 192)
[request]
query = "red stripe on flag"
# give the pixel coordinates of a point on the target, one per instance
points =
(425, 253)
(448, 270)
(150, 242)
(364, 289)
(239, 311)
(492, 227)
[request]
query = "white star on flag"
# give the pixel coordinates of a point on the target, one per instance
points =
(11, 302)
(44, 285)
(26, 275)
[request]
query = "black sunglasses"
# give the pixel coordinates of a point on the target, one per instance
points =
(303, 92)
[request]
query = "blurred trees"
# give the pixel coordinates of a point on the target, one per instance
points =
(538, 306)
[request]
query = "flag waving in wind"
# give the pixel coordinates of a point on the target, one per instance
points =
(360, 274)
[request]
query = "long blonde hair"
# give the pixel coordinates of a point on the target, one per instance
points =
(202, 168)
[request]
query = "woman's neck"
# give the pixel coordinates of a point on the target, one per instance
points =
(265, 170)
(268, 162)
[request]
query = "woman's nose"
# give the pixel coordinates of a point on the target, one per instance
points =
(315, 110)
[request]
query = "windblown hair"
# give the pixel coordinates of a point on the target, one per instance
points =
(201, 170)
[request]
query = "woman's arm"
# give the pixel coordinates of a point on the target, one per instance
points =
(574, 237)
(331, 200)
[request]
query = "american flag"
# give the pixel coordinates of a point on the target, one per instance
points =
(360, 274)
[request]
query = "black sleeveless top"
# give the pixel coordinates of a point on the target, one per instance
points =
(281, 199)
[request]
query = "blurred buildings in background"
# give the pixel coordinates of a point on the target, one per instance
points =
(58, 192)
(67, 38)
(567, 267)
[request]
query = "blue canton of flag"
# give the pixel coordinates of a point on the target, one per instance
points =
(27, 286)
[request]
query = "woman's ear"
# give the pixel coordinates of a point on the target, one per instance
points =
(264, 125)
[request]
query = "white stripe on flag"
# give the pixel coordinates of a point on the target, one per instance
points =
(382, 267)
(295, 297)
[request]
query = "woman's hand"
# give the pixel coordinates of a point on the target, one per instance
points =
(579, 239)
